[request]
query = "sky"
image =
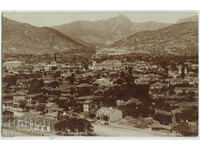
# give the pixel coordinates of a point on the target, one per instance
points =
(58, 18)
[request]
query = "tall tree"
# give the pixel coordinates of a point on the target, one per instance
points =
(41, 108)
(22, 104)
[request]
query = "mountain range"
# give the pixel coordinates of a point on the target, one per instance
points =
(105, 32)
(117, 32)
(24, 38)
(179, 38)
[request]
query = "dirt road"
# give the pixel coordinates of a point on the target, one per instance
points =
(106, 130)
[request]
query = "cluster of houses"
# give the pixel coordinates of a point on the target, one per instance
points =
(36, 95)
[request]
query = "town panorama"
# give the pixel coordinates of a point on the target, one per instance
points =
(103, 75)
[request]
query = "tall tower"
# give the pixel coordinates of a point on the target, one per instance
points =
(183, 71)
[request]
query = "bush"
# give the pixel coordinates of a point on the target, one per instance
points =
(92, 116)
(105, 118)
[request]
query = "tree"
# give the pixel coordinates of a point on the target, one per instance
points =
(41, 108)
(36, 86)
(105, 118)
(11, 80)
(171, 90)
(85, 65)
(72, 78)
(191, 95)
(27, 108)
(92, 116)
(130, 69)
(54, 84)
(57, 74)
(73, 124)
(22, 104)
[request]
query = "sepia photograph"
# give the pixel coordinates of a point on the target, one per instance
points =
(99, 74)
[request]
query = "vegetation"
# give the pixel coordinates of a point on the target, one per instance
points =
(23, 104)
(41, 108)
(70, 125)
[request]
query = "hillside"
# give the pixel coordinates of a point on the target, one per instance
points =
(105, 32)
(189, 19)
(175, 39)
(24, 38)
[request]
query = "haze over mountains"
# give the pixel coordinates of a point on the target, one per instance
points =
(25, 38)
(106, 32)
(117, 32)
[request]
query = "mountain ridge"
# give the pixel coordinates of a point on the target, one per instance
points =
(25, 38)
(188, 19)
(105, 32)
(179, 38)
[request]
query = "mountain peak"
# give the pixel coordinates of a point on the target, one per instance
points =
(105, 32)
(122, 18)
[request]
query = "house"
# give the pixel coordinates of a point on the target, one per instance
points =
(16, 102)
(7, 104)
(53, 108)
(171, 104)
(73, 67)
(182, 68)
(158, 88)
(7, 115)
(176, 81)
(107, 65)
(86, 103)
(192, 80)
(87, 106)
(12, 65)
(142, 81)
(18, 114)
(13, 88)
(35, 124)
(39, 67)
(195, 66)
(83, 89)
(112, 114)
(50, 66)
(66, 74)
(34, 97)
(185, 90)
(174, 74)
(140, 66)
(104, 82)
